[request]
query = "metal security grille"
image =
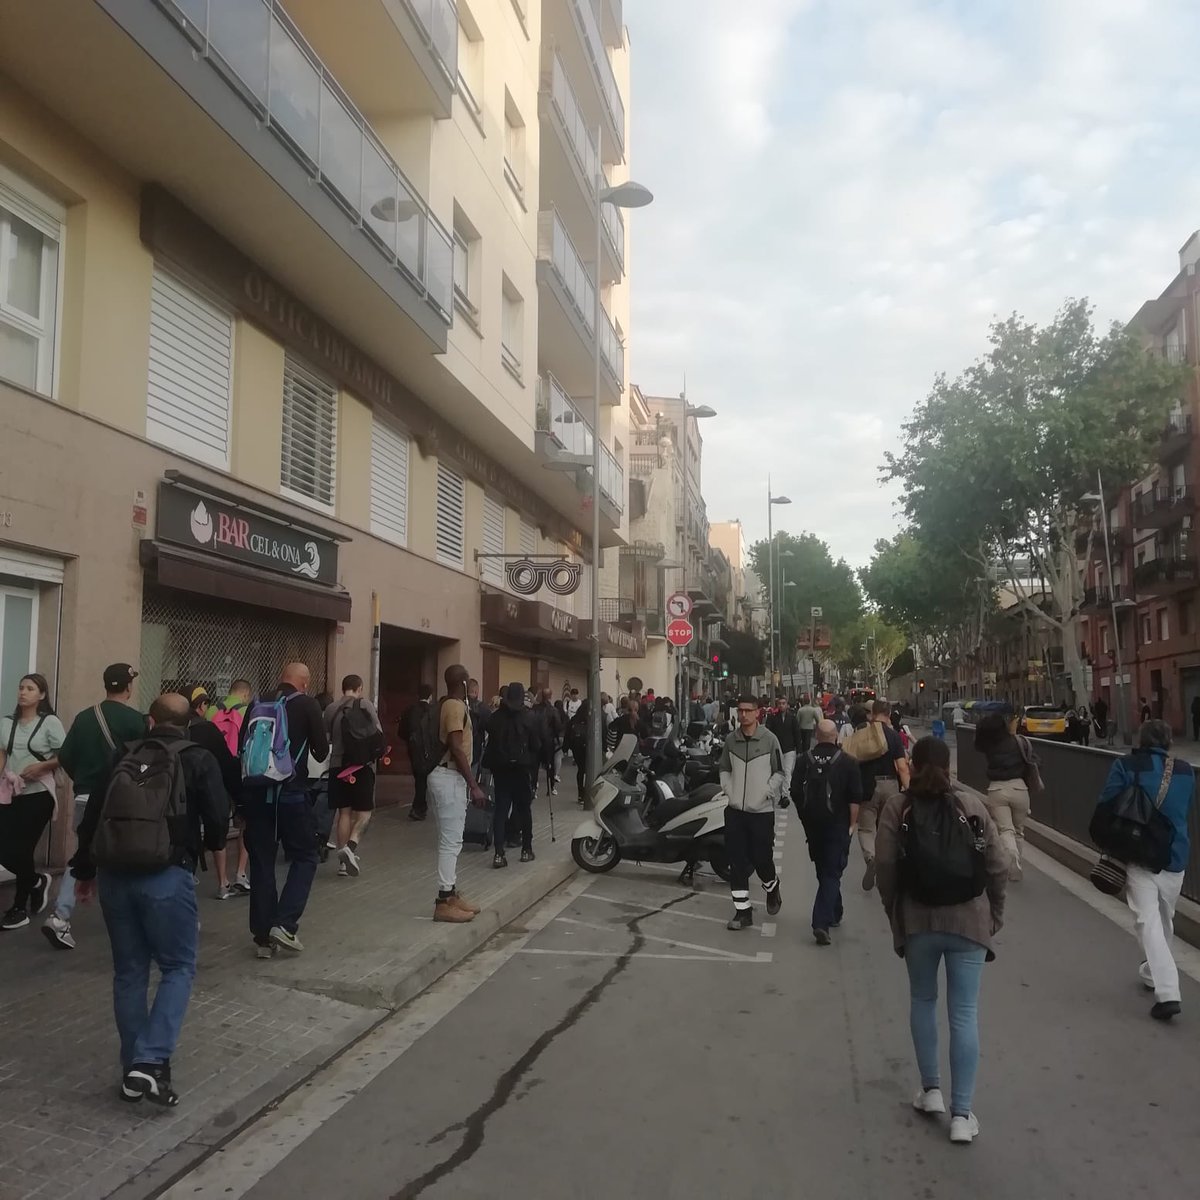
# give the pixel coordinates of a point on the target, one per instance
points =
(188, 641)
(309, 432)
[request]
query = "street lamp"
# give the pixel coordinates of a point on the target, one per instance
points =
(771, 605)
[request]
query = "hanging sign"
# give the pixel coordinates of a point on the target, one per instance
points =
(527, 578)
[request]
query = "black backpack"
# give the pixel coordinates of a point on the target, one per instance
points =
(942, 851)
(362, 741)
(509, 740)
(143, 817)
(817, 801)
(1132, 828)
(426, 748)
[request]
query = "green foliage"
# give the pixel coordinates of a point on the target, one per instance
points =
(745, 655)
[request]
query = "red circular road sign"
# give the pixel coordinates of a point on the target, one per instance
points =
(680, 633)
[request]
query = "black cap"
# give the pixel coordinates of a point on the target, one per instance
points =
(118, 677)
(514, 696)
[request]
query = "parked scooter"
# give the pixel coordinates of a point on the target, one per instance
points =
(642, 809)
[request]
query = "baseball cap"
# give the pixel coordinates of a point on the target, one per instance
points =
(118, 676)
(198, 693)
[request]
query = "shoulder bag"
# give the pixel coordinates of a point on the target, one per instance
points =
(1128, 830)
(1032, 775)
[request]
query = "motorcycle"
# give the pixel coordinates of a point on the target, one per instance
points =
(644, 810)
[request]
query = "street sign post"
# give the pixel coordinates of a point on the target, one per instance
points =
(679, 606)
(680, 632)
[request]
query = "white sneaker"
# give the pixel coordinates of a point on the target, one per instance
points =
(929, 1101)
(58, 933)
(349, 860)
(964, 1130)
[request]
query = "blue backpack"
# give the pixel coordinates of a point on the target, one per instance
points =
(266, 751)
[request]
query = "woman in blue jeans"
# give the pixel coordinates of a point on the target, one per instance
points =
(924, 935)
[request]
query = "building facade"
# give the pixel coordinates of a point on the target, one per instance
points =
(295, 318)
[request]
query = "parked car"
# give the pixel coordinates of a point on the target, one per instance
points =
(1041, 720)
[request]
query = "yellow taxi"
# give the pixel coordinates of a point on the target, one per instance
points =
(1039, 720)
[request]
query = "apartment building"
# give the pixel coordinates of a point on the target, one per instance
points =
(296, 307)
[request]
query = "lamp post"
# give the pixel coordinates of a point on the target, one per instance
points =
(772, 610)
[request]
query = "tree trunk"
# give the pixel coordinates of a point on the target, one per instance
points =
(1073, 661)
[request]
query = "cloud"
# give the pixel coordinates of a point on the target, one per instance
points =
(848, 190)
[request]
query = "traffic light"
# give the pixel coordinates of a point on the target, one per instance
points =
(920, 685)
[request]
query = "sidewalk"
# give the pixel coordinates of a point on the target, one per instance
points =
(254, 1031)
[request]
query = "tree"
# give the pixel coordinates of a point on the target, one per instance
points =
(884, 644)
(819, 580)
(744, 656)
(995, 462)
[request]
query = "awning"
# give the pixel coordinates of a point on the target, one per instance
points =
(176, 568)
(617, 641)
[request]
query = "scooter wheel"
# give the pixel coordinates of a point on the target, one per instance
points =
(596, 855)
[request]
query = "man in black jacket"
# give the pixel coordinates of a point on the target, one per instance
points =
(785, 725)
(552, 726)
(151, 916)
(827, 790)
(514, 749)
(410, 725)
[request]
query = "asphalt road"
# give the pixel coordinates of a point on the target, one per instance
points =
(625, 1044)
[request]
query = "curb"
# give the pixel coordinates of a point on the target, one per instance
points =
(380, 1001)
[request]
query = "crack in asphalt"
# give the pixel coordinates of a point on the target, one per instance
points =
(475, 1124)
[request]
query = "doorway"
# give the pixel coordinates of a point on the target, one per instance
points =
(407, 659)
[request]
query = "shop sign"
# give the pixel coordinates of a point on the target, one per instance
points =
(528, 618)
(208, 525)
(527, 578)
(619, 642)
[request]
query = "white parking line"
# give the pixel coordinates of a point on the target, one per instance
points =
(768, 928)
(649, 937)
(674, 912)
(763, 956)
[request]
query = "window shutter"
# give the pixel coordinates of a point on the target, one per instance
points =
(309, 432)
(528, 538)
(492, 569)
(451, 516)
(191, 353)
(389, 481)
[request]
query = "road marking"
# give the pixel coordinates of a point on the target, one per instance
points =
(649, 937)
(768, 928)
(1187, 958)
(651, 912)
(245, 1161)
(763, 956)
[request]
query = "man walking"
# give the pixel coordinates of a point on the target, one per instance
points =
(279, 813)
(513, 750)
(452, 787)
(149, 906)
(205, 733)
(356, 742)
(752, 779)
(807, 715)
(827, 790)
(553, 728)
(86, 755)
(410, 725)
(1153, 895)
(785, 725)
(889, 774)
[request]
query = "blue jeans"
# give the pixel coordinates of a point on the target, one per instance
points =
(150, 918)
(923, 952)
(829, 848)
(292, 822)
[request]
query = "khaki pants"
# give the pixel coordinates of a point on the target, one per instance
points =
(868, 815)
(1008, 802)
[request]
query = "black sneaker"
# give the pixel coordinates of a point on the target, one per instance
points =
(150, 1081)
(774, 899)
(743, 918)
(1164, 1010)
(40, 896)
(822, 937)
(415, 814)
(499, 859)
(527, 854)
(17, 917)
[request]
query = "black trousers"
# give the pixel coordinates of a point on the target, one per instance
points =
(293, 824)
(750, 845)
(514, 806)
(22, 824)
(420, 804)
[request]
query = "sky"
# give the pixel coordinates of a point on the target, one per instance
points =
(848, 191)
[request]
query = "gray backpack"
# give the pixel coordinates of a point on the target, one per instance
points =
(143, 819)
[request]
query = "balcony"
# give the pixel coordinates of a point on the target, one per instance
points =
(1174, 572)
(1176, 437)
(563, 429)
(602, 73)
(1118, 542)
(612, 22)
(1100, 599)
(643, 466)
(566, 329)
(1163, 507)
(393, 56)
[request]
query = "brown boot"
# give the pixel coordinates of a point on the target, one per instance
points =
(447, 910)
(465, 904)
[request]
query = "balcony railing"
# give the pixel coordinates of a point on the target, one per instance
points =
(1176, 436)
(1163, 506)
(558, 416)
(1102, 597)
(643, 465)
(614, 227)
(617, 608)
(1174, 571)
(556, 248)
(1175, 353)
(258, 50)
(593, 42)
(584, 148)
(438, 20)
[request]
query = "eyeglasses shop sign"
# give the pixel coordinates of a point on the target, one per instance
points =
(211, 526)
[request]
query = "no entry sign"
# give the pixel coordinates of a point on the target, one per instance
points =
(680, 633)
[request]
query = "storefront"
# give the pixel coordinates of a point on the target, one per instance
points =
(530, 642)
(234, 590)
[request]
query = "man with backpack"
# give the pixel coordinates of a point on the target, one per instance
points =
(206, 733)
(410, 726)
(227, 715)
(356, 740)
(85, 756)
(514, 748)
(278, 734)
(827, 790)
(148, 820)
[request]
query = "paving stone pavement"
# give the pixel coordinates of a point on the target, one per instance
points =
(253, 1029)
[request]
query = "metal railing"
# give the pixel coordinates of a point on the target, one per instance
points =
(614, 226)
(1164, 501)
(643, 465)
(617, 608)
(1176, 566)
(579, 136)
(558, 416)
(259, 51)
(597, 53)
(438, 20)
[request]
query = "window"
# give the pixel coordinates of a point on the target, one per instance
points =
(512, 333)
(1147, 630)
(309, 433)
(1185, 617)
(470, 63)
(451, 516)
(1164, 628)
(389, 481)
(514, 147)
(466, 268)
(190, 374)
(492, 569)
(1104, 639)
(30, 241)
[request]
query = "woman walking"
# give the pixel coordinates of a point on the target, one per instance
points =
(29, 743)
(924, 933)
(1007, 795)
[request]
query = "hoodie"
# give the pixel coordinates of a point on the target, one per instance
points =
(751, 770)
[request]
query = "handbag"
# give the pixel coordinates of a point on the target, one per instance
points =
(1126, 831)
(1031, 774)
(1108, 875)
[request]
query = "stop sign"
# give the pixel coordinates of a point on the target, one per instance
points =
(679, 633)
